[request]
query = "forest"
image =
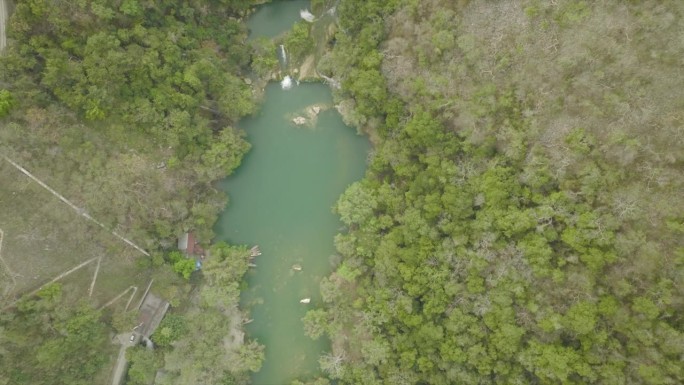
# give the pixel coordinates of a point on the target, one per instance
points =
(521, 219)
(520, 222)
(129, 107)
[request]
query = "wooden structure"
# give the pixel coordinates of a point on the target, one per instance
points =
(151, 313)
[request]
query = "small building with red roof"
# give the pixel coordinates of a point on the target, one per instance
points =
(188, 244)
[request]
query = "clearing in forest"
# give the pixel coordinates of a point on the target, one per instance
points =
(43, 240)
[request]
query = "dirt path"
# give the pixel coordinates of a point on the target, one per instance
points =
(3, 21)
(10, 273)
(92, 284)
(53, 280)
(120, 367)
(134, 288)
(130, 299)
(307, 70)
(79, 210)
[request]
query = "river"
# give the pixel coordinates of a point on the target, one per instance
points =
(280, 198)
(271, 19)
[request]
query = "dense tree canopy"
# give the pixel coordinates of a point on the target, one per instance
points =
(48, 341)
(208, 346)
(129, 106)
(521, 220)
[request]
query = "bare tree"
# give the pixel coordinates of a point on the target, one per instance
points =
(333, 364)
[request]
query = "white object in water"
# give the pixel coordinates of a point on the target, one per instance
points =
(306, 15)
(305, 300)
(286, 83)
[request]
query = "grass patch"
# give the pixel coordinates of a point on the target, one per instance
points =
(43, 238)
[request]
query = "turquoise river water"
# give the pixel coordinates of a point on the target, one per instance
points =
(271, 19)
(281, 198)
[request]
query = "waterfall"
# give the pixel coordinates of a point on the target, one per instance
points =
(283, 56)
(306, 15)
(286, 83)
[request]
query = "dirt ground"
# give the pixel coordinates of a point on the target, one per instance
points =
(307, 71)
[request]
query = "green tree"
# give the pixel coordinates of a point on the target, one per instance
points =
(6, 102)
(315, 322)
(356, 205)
(143, 365)
(298, 42)
(172, 328)
(264, 59)
(181, 264)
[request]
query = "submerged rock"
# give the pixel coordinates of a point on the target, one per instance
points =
(299, 120)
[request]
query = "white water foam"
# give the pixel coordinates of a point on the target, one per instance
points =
(306, 15)
(286, 83)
